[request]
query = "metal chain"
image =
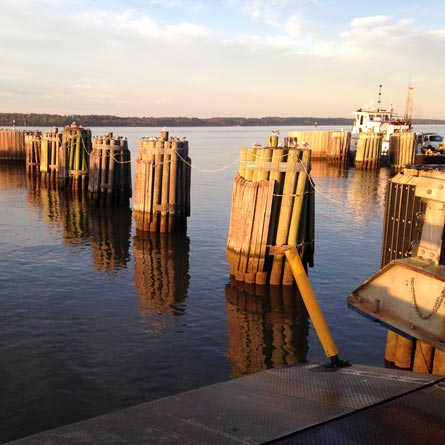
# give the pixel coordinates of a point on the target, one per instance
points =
(436, 307)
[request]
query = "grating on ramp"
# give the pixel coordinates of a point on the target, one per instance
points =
(254, 409)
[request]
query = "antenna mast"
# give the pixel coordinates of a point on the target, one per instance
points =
(380, 96)
(409, 104)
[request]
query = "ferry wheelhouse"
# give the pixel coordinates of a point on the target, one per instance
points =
(378, 120)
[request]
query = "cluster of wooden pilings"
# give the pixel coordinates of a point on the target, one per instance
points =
(264, 325)
(403, 224)
(109, 182)
(317, 140)
(33, 143)
(71, 160)
(74, 157)
(338, 147)
(12, 145)
(49, 155)
(369, 151)
(162, 184)
(272, 205)
(402, 149)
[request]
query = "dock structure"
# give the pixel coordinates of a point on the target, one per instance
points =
(369, 151)
(272, 205)
(402, 149)
(299, 404)
(74, 157)
(317, 140)
(51, 143)
(33, 141)
(338, 147)
(162, 184)
(109, 179)
(12, 145)
(407, 294)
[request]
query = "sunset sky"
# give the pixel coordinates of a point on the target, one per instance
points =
(320, 58)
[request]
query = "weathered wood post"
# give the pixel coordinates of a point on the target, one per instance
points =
(109, 182)
(74, 157)
(162, 189)
(317, 140)
(271, 202)
(33, 142)
(369, 151)
(12, 145)
(49, 155)
(402, 149)
(338, 147)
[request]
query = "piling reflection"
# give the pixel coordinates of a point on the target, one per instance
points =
(12, 176)
(368, 187)
(109, 235)
(324, 169)
(161, 265)
(267, 327)
(106, 230)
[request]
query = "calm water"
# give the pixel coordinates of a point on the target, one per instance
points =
(94, 319)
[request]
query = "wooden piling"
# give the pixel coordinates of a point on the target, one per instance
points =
(12, 145)
(369, 151)
(162, 190)
(268, 204)
(338, 147)
(49, 155)
(402, 149)
(109, 183)
(74, 157)
(33, 151)
(317, 141)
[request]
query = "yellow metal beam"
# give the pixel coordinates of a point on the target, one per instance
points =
(311, 303)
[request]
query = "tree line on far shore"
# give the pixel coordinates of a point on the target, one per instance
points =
(93, 120)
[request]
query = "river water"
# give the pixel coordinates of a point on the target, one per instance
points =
(95, 319)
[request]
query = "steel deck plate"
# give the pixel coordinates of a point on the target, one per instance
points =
(257, 408)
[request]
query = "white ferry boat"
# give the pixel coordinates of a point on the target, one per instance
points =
(380, 120)
(377, 120)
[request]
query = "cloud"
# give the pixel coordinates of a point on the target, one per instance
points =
(293, 26)
(374, 35)
(371, 21)
(274, 13)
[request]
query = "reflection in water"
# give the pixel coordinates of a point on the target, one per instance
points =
(12, 176)
(107, 231)
(322, 168)
(161, 265)
(369, 186)
(109, 235)
(267, 327)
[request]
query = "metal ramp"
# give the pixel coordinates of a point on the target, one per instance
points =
(294, 404)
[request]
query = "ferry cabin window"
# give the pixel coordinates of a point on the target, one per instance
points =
(361, 120)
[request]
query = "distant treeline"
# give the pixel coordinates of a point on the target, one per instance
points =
(94, 120)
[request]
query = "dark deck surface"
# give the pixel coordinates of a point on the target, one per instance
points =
(304, 404)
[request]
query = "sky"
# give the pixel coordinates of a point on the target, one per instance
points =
(252, 58)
